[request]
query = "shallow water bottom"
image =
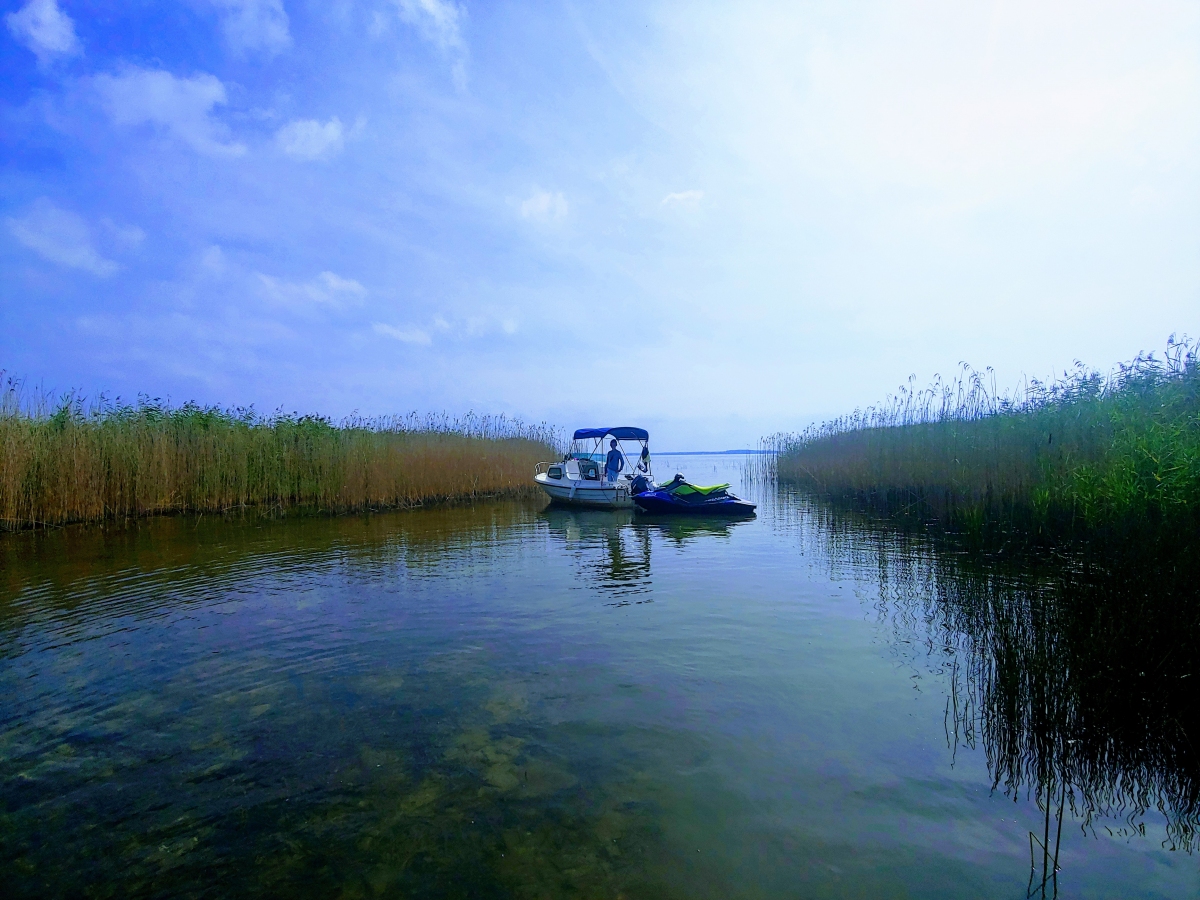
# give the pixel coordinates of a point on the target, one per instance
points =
(504, 700)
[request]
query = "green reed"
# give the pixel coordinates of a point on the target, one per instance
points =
(65, 460)
(1087, 451)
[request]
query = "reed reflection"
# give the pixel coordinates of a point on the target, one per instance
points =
(1073, 671)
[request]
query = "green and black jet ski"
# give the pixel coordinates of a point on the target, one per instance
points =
(680, 496)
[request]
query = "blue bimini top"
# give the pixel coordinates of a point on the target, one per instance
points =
(624, 433)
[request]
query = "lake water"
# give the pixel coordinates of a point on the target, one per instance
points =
(511, 700)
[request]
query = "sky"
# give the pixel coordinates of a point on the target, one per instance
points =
(715, 221)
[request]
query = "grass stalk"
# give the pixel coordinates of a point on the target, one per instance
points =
(1086, 452)
(67, 461)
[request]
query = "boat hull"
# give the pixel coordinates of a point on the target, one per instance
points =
(588, 494)
(662, 503)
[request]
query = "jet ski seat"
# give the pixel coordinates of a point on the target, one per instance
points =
(685, 490)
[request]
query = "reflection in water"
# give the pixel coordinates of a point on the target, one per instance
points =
(294, 710)
(1074, 672)
(623, 539)
(622, 565)
(470, 702)
(681, 530)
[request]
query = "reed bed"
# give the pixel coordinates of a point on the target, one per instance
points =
(1087, 451)
(74, 462)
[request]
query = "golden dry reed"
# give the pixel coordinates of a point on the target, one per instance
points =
(68, 462)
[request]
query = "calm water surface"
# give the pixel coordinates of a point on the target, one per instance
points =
(509, 701)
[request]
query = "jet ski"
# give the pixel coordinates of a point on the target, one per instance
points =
(680, 496)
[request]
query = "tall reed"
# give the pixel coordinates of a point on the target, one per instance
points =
(72, 462)
(1085, 451)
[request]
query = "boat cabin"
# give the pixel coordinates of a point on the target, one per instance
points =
(581, 477)
(584, 469)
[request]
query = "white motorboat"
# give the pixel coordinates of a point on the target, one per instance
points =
(581, 478)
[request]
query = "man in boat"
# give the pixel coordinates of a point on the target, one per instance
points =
(614, 463)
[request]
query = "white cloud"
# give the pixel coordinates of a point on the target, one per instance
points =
(251, 25)
(213, 260)
(61, 237)
(972, 101)
(128, 236)
(340, 285)
(683, 198)
(327, 289)
(407, 336)
(182, 107)
(309, 139)
(470, 327)
(45, 29)
(440, 23)
(543, 206)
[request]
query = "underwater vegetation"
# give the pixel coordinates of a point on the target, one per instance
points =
(67, 461)
(258, 766)
(1087, 453)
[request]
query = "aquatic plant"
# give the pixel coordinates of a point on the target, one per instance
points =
(393, 765)
(1086, 451)
(65, 460)
(1071, 669)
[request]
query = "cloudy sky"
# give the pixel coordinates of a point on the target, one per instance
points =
(716, 220)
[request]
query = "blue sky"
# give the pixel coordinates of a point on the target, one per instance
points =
(717, 221)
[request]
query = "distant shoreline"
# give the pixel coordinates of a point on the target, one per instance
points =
(711, 452)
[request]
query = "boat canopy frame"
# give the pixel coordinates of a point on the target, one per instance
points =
(620, 434)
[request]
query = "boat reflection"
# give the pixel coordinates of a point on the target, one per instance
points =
(613, 556)
(613, 547)
(681, 530)
(1073, 671)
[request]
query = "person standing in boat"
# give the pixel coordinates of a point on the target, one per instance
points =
(614, 463)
